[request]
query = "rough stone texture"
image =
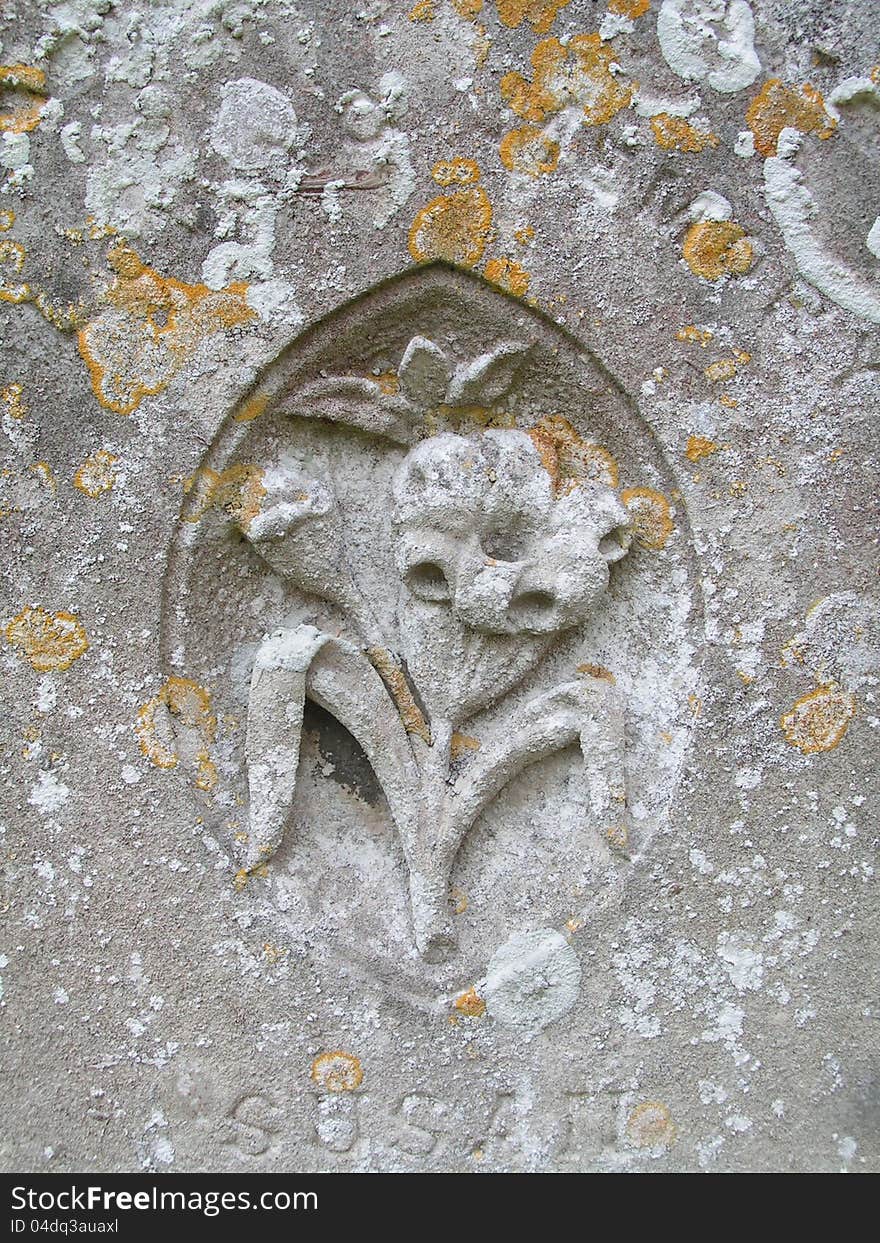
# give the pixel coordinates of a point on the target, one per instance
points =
(440, 637)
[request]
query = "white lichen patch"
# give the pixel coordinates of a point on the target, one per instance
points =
(255, 126)
(533, 979)
(794, 209)
(711, 41)
(48, 794)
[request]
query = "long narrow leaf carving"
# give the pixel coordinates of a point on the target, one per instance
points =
(291, 664)
(585, 712)
(357, 402)
(344, 682)
(588, 712)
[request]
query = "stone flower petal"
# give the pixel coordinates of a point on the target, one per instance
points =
(423, 373)
(487, 378)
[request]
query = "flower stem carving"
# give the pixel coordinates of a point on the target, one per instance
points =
(503, 541)
(431, 809)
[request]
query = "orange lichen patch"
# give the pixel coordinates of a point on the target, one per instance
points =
(50, 641)
(579, 73)
(252, 408)
(629, 8)
(569, 460)
(529, 150)
(525, 235)
(422, 12)
(31, 83)
(238, 490)
(13, 254)
(13, 399)
(65, 319)
(92, 230)
(729, 402)
(675, 134)
(467, 8)
(778, 107)
(738, 488)
(243, 875)
(651, 516)
(459, 898)
(461, 744)
(153, 324)
(206, 774)
(388, 382)
(723, 369)
(454, 227)
(470, 1004)
(509, 275)
(456, 172)
(650, 1125)
(540, 14)
(699, 336)
(22, 119)
(395, 679)
(617, 835)
(182, 700)
(7, 219)
(25, 77)
(699, 447)
(96, 475)
(337, 1072)
(716, 248)
(818, 720)
(597, 671)
(46, 475)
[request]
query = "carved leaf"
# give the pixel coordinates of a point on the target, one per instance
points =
(356, 401)
(487, 378)
(423, 373)
(585, 711)
(588, 711)
(340, 678)
(345, 683)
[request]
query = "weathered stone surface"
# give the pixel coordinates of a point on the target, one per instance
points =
(440, 620)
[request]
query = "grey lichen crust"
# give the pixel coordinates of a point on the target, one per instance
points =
(440, 633)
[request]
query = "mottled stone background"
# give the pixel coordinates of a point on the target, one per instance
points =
(689, 187)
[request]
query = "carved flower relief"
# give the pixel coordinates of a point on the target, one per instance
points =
(427, 383)
(299, 533)
(480, 530)
(495, 565)
(501, 544)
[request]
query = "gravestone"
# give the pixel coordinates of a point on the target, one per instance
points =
(440, 633)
